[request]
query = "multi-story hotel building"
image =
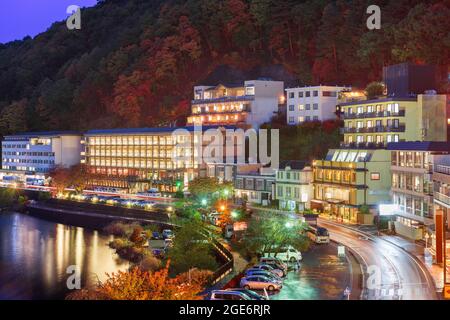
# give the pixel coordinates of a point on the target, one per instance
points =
(348, 179)
(358, 174)
(135, 160)
(27, 158)
(374, 123)
(317, 103)
(252, 103)
(293, 185)
(412, 185)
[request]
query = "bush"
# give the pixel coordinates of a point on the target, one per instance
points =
(118, 229)
(150, 263)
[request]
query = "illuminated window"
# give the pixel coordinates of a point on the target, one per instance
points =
(375, 176)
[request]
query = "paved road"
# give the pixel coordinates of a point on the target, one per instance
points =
(402, 277)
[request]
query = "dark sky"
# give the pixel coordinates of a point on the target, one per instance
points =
(19, 18)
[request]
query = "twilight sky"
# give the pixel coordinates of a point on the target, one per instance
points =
(19, 18)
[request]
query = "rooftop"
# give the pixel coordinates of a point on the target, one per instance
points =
(293, 164)
(44, 134)
(151, 130)
(419, 146)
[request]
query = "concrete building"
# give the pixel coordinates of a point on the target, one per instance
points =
(350, 178)
(412, 185)
(255, 186)
(27, 158)
(317, 103)
(358, 174)
(251, 103)
(293, 185)
(134, 160)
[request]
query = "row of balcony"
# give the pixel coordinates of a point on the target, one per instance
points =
(400, 128)
(224, 99)
(379, 114)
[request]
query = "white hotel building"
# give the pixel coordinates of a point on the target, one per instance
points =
(316, 103)
(27, 158)
(250, 103)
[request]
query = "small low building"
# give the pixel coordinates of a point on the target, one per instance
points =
(255, 186)
(293, 185)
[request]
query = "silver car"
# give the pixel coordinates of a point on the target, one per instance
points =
(228, 295)
(260, 283)
(266, 267)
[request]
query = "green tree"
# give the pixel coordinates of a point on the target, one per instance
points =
(374, 89)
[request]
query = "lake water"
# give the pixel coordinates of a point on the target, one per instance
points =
(35, 255)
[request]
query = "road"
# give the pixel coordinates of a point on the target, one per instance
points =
(400, 275)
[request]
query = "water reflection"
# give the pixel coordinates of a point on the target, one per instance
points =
(34, 256)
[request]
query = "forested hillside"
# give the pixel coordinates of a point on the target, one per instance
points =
(134, 62)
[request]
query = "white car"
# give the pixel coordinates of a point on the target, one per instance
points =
(228, 295)
(260, 283)
(278, 272)
(285, 254)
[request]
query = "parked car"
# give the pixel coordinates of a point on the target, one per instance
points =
(228, 295)
(274, 262)
(258, 272)
(167, 233)
(280, 273)
(285, 254)
(156, 235)
(250, 293)
(260, 283)
(168, 243)
(228, 231)
(158, 253)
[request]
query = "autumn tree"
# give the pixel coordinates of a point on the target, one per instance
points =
(374, 89)
(145, 285)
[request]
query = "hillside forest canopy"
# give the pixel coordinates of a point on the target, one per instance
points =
(134, 62)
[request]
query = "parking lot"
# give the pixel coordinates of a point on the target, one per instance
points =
(322, 276)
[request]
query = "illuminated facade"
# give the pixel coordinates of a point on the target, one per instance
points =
(251, 103)
(374, 123)
(293, 186)
(135, 160)
(28, 158)
(412, 185)
(317, 103)
(348, 179)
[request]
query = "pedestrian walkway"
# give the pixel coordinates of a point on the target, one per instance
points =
(415, 248)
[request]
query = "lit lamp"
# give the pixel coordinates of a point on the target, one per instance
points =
(427, 236)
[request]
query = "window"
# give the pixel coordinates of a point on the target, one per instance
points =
(291, 120)
(316, 118)
(315, 106)
(307, 118)
(375, 176)
(315, 93)
(300, 94)
(308, 106)
(329, 93)
(301, 107)
(291, 107)
(301, 119)
(360, 110)
(307, 94)
(250, 91)
(291, 95)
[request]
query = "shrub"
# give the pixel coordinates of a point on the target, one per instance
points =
(118, 229)
(149, 262)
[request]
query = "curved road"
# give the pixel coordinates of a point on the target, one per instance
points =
(390, 273)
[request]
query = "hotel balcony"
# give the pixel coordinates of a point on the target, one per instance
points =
(362, 145)
(222, 118)
(400, 128)
(223, 99)
(382, 114)
(442, 199)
